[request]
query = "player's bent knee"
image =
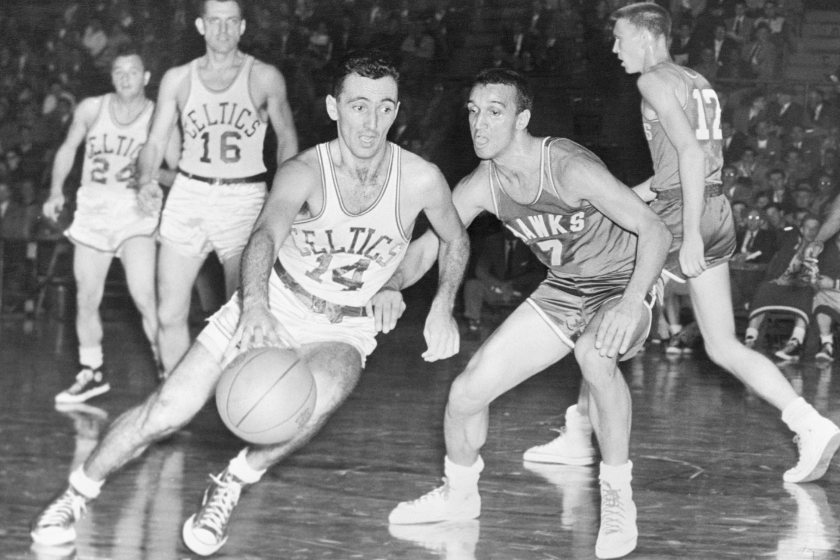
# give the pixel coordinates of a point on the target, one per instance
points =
(468, 397)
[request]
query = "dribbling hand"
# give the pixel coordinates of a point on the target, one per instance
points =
(259, 328)
(386, 307)
(53, 206)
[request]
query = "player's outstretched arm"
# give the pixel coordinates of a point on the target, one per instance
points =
(279, 112)
(293, 184)
(660, 93)
(591, 180)
(150, 195)
(83, 118)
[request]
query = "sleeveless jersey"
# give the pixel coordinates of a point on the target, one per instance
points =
(571, 241)
(111, 148)
(341, 257)
(703, 111)
(223, 130)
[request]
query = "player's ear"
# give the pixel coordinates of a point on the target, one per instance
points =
(199, 24)
(146, 77)
(522, 119)
(242, 26)
(332, 107)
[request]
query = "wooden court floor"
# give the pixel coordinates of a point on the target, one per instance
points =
(708, 455)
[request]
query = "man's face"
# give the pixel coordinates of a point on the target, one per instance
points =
(775, 217)
(754, 220)
(803, 198)
(128, 76)
(810, 228)
(222, 25)
(629, 45)
(493, 118)
(776, 181)
(364, 112)
(729, 176)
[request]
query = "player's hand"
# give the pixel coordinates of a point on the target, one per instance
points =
(150, 198)
(617, 327)
(53, 206)
(259, 328)
(692, 258)
(442, 337)
(386, 306)
(813, 250)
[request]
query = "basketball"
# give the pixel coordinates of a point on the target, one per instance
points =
(266, 395)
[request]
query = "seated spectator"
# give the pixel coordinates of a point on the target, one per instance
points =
(506, 272)
(808, 145)
(775, 218)
(707, 67)
(734, 187)
(739, 214)
(16, 224)
(784, 113)
(824, 194)
(767, 145)
(755, 246)
(739, 28)
(797, 170)
(788, 287)
(683, 50)
(826, 305)
(779, 190)
(820, 114)
(761, 55)
(745, 117)
(734, 142)
(752, 167)
(781, 33)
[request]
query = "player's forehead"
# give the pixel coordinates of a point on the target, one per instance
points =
(356, 88)
(502, 95)
(623, 28)
(221, 9)
(128, 62)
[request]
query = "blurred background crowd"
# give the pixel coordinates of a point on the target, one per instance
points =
(781, 127)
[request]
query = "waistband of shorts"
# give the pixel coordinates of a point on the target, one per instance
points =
(259, 178)
(333, 311)
(712, 190)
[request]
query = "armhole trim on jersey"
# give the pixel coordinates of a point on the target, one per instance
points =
(547, 153)
(492, 190)
(192, 72)
(104, 105)
(397, 174)
(322, 168)
(248, 88)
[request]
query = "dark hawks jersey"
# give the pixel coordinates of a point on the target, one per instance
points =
(703, 111)
(572, 241)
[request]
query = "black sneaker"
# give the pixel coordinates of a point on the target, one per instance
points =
(206, 532)
(89, 383)
(791, 351)
(826, 352)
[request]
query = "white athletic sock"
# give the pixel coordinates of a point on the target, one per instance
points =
(91, 356)
(84, 485)
(751, 333)
(826, 338)
(575, 421)
(240, 468)
(798, 414)
(463, 478)
(798, 334)
(617, 476)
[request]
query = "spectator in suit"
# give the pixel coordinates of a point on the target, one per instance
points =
(784, 113)
(761, 55)
(734, 142)
(739, 28)
(752, 167)
(506, 272)
(826, 305)
(721, 45)
(780, 31)
(683, 46)
(788, 288)
(808, 145)
(797, 170)
(757, 243)
(825, 193)
(821, 114)
(736, 188)
(707, 67)
(780, 191)
(746, 116)
(767, 146)
(775, 219)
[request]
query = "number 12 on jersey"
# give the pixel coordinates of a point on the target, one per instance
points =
(704, 98)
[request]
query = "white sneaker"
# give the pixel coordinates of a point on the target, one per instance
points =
(618, 533)
(817, 445)
(571, 447)
(206, 532)
(56, 524)
(441, 504)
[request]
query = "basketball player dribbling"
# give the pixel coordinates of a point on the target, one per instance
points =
(108, 221)
(604, 249)
(224, 100)
(334, 228)
(681, 117)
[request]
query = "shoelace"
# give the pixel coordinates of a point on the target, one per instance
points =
(82, 378)
(217, 510)
(443, 490)
(66, 509)
(612, 512)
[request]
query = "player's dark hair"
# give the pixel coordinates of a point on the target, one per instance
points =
(129, 49)
(506, 77)
(646, 15)
(201, 6)
(371, 64)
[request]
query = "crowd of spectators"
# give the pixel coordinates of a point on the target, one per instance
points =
(781, 143)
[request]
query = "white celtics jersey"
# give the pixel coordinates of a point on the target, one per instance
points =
(223, 130)
(341, 257)
(111, 148)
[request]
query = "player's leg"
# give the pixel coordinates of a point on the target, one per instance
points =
(336, 368)
(793, 347)
(818, 437)
(176, 273)
(504, 360)
(753, 327)
(90, 267)
(139, 259)
(824, 322)
(170, 407)
(610, 411)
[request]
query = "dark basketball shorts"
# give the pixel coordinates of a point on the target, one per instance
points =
(567, 305)
(716, 227)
